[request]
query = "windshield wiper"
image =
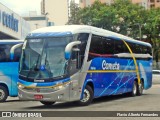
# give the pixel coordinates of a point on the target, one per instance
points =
(34, 67)
(49, 68)
(36, 64)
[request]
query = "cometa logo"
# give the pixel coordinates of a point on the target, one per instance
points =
(110, 66)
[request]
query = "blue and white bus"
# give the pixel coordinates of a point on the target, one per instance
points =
(79, 63)
(9, 68)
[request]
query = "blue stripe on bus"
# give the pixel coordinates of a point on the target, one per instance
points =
(49, 34)
(42, 84)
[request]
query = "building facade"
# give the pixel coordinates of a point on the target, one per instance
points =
(12, 26)
(145, 3)
(36, 21)
(56, 11)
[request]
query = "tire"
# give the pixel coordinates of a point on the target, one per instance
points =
(3, 94)
(47, 103)
(134, 89)
(140, 89)
(87, 96)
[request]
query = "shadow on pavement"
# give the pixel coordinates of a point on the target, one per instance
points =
(75, 104)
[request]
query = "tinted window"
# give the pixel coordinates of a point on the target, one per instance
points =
(83, 37)
(108, 47)
(120, 47)
(156, 72)
(140, 49)
(5, 52)
(105, 47)
(17, 54)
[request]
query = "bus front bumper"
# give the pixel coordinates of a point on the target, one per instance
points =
(44, 94)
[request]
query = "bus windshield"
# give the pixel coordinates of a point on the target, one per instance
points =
(44, 58)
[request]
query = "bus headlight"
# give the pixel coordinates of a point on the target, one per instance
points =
(61, 86)
(21, 86)
(58, 87)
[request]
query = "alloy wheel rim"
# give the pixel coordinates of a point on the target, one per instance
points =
(134, 89)
(2, 94)
(141, 88)
(86, 96)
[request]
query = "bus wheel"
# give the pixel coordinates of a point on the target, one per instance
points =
(134, 89)
(3, 94)
(47, 102)
(140, 89)
(87, 96)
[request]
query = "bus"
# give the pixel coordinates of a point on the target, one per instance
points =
(80, 63)
(9, 68)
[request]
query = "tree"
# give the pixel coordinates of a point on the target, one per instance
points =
(125, 18)
(151, 30)
(118, 17)
(74, 9)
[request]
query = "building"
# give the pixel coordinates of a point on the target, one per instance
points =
(12, 26)
(85, 3)
(36, 21)
(145, 3)
(56, 11)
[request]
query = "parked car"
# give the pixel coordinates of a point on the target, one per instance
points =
(156, 76)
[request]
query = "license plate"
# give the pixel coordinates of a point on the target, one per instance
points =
(38, 97)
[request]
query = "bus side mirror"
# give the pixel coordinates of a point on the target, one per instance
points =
(13, 49)
(68, 49)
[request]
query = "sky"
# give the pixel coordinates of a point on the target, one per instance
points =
(22, 7)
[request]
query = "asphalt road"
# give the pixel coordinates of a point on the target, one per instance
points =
(149, 101)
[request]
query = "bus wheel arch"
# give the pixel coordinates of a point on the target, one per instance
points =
(88, 94)
(3, 92)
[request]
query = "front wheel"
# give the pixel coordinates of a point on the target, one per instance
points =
(87, 96)
(3, 94)
(47, 102)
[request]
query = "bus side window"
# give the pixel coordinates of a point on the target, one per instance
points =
(5, 53)
(83, 37)
(2, 55)
(17, 54)
(95, 47)
(73, 61)
(100, 47)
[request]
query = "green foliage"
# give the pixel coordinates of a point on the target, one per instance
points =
(117, 17)
(122, 17)
(74, 10)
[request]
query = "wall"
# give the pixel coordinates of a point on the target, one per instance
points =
(11, 24)
(57, 11)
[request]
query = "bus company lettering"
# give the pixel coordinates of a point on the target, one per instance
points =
(110, 66)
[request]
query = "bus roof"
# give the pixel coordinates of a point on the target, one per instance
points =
(11, 41)
(73, 29)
